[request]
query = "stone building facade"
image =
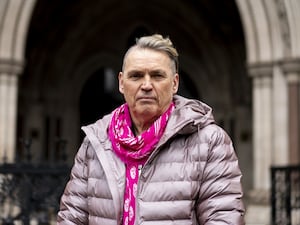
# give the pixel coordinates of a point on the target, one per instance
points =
(241, 57)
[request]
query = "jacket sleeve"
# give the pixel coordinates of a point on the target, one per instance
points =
(220, 196)
(73, 203)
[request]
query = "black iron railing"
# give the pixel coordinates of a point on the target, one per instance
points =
(30, 192)
(285, 195)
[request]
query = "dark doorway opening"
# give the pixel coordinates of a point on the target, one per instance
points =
(99, 96)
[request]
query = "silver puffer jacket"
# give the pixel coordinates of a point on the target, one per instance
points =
(192, 176)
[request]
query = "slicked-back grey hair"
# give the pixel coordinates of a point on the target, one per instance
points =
(158, 43)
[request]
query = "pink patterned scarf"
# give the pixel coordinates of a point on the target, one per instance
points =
(133, 151)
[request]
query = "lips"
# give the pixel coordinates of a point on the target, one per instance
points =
(146, 98)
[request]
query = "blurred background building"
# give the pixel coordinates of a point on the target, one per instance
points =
(59, 62)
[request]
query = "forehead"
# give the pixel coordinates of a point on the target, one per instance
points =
(145, 57)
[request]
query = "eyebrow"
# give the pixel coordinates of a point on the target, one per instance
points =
(151, 71)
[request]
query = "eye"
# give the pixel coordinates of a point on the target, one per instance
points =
(135, 75)
(157, 75)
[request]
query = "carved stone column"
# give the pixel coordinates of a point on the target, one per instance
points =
(9, 71)
(291, 69)
(258, 209)
(262, 123)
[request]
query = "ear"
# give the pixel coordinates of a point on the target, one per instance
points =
(121, 87)
(175, 83)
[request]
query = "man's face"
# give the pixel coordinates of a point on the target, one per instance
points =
(148, 82)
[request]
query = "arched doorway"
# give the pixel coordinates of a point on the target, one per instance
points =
(99, 96)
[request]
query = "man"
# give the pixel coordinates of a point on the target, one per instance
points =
(157, 159)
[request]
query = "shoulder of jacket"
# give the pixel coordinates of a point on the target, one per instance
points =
(214, 133)
(98, 129)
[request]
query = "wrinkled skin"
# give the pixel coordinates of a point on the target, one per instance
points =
(148, 83)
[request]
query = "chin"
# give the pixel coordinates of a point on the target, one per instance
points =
(147, 110)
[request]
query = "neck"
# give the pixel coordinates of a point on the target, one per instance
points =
(139, 127)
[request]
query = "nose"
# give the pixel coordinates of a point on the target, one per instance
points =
(147, 84)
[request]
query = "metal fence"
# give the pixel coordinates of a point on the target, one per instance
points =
(30, 192)
(285, 195)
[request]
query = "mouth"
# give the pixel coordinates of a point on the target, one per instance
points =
(146, 99)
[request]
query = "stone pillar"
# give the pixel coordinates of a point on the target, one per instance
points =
(280, 117)
(291, 69)
(262, 123)
(8, 108)
(258, 209)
